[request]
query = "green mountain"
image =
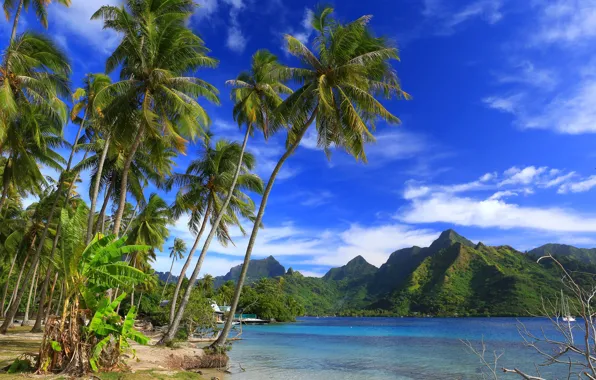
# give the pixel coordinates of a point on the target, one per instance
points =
(585, 255)
(257, 269)
(453, 276)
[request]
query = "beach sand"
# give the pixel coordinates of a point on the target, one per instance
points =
(149, 362)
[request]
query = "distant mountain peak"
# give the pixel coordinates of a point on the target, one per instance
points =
(355, 268)
(357, 260)
(257, 269)
(449, 237)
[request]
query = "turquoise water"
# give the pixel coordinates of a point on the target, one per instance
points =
(379, 348)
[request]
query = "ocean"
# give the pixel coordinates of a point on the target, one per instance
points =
(383, 348)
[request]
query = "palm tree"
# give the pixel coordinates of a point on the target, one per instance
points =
(29, 140)
(35, 71)
(150, 227)
(339, 84)
(176, 253)
(156, 55)
(40, 11)
(207, 283)
(257, 95)
(85, 98)
(214, 175)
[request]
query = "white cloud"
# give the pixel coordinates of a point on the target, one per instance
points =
(75, 22)
(578, 187)
(301, 33)
(466, 211)
(523, 176)
(446, 204)
(312, 199)
(213, 265)
(559, 180)
(527, 73)
(503, 194)
(508, 104)
(374, 243)
(448, 19)
(567, 21)
(236, 40)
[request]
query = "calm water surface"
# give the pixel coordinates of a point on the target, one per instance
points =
(378, 348)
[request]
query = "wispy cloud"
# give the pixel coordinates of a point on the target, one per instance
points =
(74, 23)
(581, 186)
(236, 40)
(456, 204)
(446, 19)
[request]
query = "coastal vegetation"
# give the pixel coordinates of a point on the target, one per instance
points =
(86, 275)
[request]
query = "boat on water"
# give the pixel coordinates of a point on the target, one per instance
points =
(567, 317)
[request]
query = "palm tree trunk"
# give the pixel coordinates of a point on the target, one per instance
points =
(221, 340)
(46, 283)
(132, 217)
(124, 181)
(195, 274)
(168, 279)
(49, 308)
(5, 292)
(189, 259)
(139, 303)
(102, 160)
(99, 226)
(13, 310)
(5, 183)
(16, 21)
(14, 291)
(26, 317)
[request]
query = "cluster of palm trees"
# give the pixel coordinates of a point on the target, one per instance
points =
(130, 131)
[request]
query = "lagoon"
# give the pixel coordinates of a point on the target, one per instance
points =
(380, 348)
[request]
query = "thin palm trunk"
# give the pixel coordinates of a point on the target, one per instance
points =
(5, 292)
(13, 309)
(16, 21)
(189, 259)
(26, 317)
(168, 279)
(49, 308)
(5, 183)
(124, 181)
(139, 303)
(95, 193)
(99, 226)
(46, 283)
(18, 283)
(132, 217)
(221, 340)
(195, 274)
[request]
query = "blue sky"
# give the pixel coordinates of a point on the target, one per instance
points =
(497, 142)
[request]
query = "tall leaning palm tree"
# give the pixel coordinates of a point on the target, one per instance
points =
(256, 94)
(85, 104)
(158, 55)
(38, 5)
(176, 253)
(212, 176)
(340, 81)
